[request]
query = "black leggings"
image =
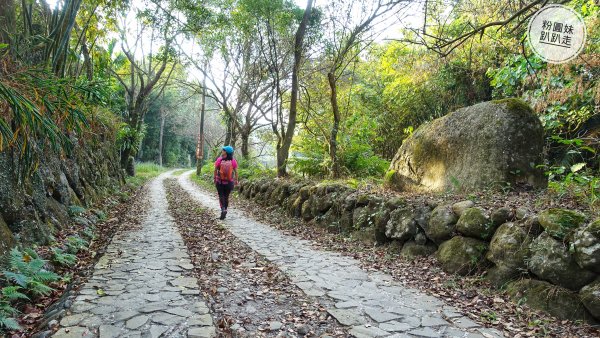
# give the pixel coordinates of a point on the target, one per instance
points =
(224, 190)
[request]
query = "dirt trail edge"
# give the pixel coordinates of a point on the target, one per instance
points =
(141, 286)
(371, 303)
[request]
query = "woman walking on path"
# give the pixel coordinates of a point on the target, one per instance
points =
(225, 177)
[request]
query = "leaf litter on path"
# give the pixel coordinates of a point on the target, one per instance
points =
(248, 295)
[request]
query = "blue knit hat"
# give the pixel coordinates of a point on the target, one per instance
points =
(228, 149)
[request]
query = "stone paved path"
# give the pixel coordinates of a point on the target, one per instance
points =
(141, 288)
(371, 303)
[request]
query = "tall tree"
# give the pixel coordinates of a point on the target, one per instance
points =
(350, 30)
(144, 75)
(7, 20)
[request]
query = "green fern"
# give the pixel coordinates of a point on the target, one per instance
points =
(76, 210)
(62, 258)
(75, 244)
(89, 233)
(7, 312)
(12, 293)
(8, 323)
(27, 271)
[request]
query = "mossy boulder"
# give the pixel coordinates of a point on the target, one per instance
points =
(559, 223)
(550, 260)
(474, 223)
(461, 255)
(296, 207)
(441, 225)
(509, 246)
(346, 220)
(361, 218)
(401, 225)
(306, 211)
(412, 250)
(586, 243)
(500, 275)
(461, 206)
(501, 216)
(473, 147)
(555, 300)
(380, 218)
(590, 296)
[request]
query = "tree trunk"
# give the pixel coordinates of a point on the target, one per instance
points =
(245, 137)
(283, 151)
(160, 139)
(231, 136)
(59, 57)
(200, 145)
(335, 165)
(125, 154)
(87, 61)
(7, 20)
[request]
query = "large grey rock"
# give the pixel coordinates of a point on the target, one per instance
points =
(461, 255)
(590, 297)
(401, 225)
(473, 147)
(413, 250)
(474, 223)
(586, 244)
(550, 260)
(461, 206)
(559, 223)
(501, 216)
(441, 225)
(510, 246)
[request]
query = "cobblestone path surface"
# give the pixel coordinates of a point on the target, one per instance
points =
(141, 287)
(373, 304)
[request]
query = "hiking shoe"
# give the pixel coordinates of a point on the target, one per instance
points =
(223, 213)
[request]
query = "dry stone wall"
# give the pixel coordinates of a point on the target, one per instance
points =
(550, 259)
(34, 207)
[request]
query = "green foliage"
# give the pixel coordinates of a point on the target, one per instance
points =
(76, 210)
(62, 258)
(572, 177)
(252, 169)
(509, 80)
(41, 110)
(9, 295)
(88, 233)
(130, 138)
(28, 272)
(75, 244)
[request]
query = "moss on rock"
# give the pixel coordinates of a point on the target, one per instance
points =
(510, 246)
(586, 244)
(471, 148)
(412, 250)
(541, 295)
(590, 296)
(442, 224)
(559, 223)
(550, 260)
(461, 255)
(401, 225)
(474, 223)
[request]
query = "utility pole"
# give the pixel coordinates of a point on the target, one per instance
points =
(200, 144)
